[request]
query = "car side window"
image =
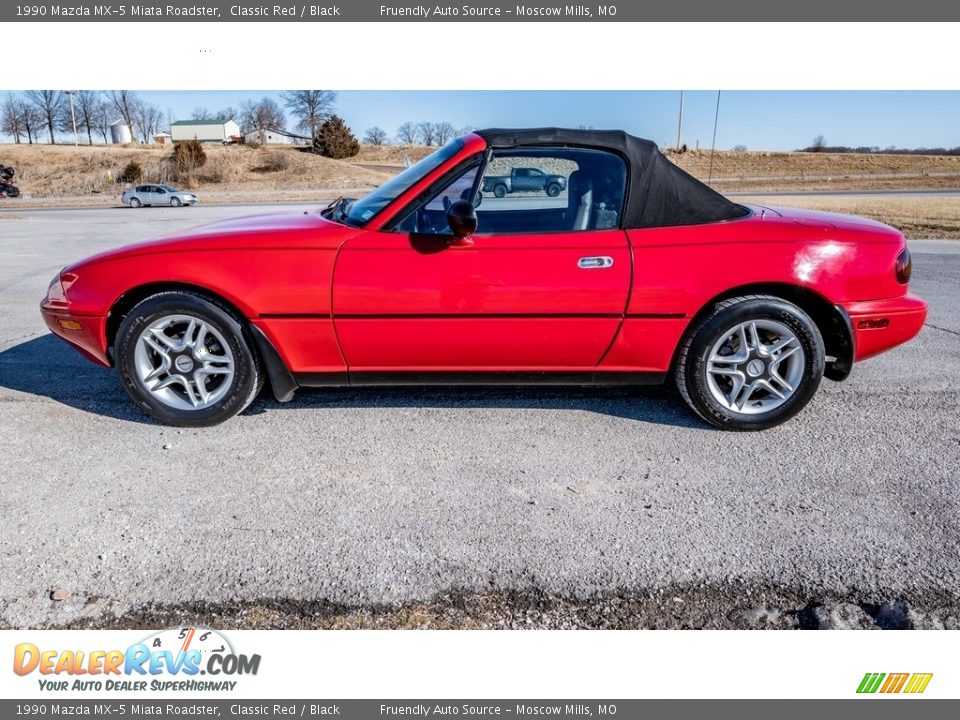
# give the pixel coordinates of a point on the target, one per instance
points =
(430, 217)
(543, 189)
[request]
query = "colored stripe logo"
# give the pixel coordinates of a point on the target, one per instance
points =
(911, 683)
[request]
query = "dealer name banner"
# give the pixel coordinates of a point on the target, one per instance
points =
(738, 11)
(119, 709)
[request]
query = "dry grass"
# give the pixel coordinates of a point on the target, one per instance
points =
(390, 154)
(916, 216)
(45, 171)
(745, 165)
(64, 175)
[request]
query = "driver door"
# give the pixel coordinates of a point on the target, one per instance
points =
(408, 299)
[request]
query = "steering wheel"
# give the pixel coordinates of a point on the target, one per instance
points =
(425, 224)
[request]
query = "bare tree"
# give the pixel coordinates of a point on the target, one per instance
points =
(201, 113)
(84, 105)
(228, 113)
(147, 118)
(466, 130)
(376, 136)
(443, 132)
(103, 113)
(739, 148)
(310, 108)
(49, 104)
(32, 121)
(819, 143)
(11, 117)
(126, 103)
(407, 133)
(263, 114)
(427, 133)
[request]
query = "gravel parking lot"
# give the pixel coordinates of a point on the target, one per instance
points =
(468, 507)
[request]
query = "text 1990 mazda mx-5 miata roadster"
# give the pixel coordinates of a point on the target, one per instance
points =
(634, 273)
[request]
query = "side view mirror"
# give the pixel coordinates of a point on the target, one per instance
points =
(462, 218)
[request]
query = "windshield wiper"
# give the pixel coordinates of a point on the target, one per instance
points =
(337, 210)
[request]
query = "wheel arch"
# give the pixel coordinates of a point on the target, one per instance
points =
(281, 379)
(831, 320)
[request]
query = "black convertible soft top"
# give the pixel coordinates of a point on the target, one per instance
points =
(659, 193)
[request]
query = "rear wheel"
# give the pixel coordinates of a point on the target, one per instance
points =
(135, 203)
(500, 191)
(186, 360)
(752, 363)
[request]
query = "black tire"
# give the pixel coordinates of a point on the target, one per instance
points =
(135, 203)
(248, 375)
(175, 202)
(500, 190)
(691, 368)
(553, 189)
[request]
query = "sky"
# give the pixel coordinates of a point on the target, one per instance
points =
(760, 120)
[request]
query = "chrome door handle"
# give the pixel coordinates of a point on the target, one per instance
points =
(595, 262)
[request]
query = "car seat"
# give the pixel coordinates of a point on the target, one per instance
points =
(579, 200)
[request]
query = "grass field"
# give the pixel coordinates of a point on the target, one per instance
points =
(68, 176)
(45, 171)
(915, 216)
(66, 171)
(784, 171)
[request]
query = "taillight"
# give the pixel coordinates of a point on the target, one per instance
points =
(904, 267)
(55, 292)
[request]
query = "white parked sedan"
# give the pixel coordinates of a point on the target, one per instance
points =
(157, 195)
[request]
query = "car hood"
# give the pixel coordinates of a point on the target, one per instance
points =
(287, 230)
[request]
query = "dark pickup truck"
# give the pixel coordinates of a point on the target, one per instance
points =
(524, 180)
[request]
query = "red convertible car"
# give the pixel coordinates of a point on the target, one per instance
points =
(635, 273)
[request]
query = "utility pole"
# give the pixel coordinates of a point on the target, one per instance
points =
(713, 146)
(73, 118)
(680, 122)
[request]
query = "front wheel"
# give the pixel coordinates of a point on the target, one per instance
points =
(186, 360)
(553, 189)
(752, 363)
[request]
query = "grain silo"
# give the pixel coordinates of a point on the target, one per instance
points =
(120, 133)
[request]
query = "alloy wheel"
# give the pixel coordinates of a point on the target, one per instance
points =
(755, 366)
(184, 362)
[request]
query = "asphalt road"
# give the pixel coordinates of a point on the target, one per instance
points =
(466, 507)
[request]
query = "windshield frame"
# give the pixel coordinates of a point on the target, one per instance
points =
(403, 183)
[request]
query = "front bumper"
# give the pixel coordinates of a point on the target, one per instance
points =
(879, 325)
(86, 333)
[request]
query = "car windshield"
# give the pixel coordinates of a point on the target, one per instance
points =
(362, 210)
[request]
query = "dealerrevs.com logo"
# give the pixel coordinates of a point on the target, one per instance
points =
(892, 683)
(179, 659)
